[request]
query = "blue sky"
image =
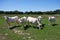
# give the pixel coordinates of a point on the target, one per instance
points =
(29, 5)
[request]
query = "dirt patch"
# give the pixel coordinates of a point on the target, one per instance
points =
(2, 37)
(20, 32)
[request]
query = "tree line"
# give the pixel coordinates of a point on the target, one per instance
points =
(30, 12)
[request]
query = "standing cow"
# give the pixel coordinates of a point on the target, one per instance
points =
(35, 21)
(9, 20)
(52, 19)
(23, 21)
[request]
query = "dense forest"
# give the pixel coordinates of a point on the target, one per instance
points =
(30, 12)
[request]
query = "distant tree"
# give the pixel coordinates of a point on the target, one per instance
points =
(57, 11)
(30, 12)
(1, 12)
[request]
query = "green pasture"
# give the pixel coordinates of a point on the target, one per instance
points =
(47, 33)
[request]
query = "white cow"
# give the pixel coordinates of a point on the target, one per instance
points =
(22, 20)
(9, 20)
(52, 19)
(34, 21)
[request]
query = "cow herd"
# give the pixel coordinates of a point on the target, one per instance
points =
(23, 20)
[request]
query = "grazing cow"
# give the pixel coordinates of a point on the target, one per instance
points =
(34, 21)
(9, 20)
(52, 19)
(23, 21)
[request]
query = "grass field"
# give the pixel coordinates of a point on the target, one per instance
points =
(47, 33)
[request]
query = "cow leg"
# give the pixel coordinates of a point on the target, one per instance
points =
(28, 22)
(17, 23)
(24, 25)
(8, 25)
(38, 25)
(49, 22)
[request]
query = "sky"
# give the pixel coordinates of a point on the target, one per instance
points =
(29, 5)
